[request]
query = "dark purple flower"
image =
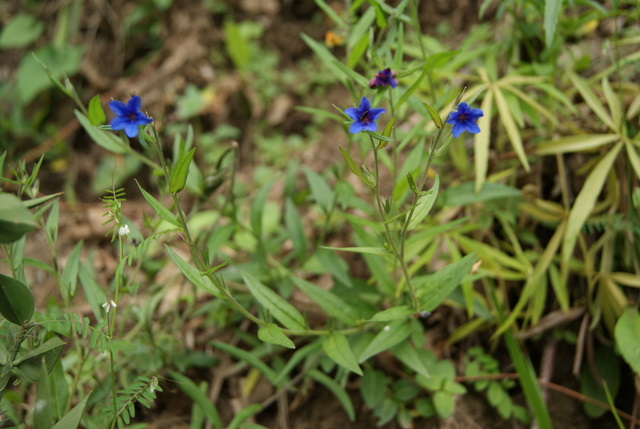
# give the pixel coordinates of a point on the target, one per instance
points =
(464, 120)
(384, 78)
(364, 117)
(128, 116)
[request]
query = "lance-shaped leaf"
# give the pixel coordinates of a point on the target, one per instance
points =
(180, 172)
(424, 205)
(275, 304)
(586, 200)
(337, 348)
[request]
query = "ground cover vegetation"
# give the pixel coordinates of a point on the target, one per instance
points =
(296, 214)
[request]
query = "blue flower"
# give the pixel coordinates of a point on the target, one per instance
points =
(384, 78)
(364, 117)
(464, 120)
(128, 116)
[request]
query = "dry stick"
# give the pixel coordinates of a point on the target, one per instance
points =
(553, 386)
(546, 372)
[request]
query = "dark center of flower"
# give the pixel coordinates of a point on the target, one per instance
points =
(462, 117)
(364, 117)
(133, 116)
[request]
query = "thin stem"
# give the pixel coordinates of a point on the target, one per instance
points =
(195, 255)
(390, 240)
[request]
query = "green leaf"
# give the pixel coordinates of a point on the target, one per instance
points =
(606, 366)
(180, 172)
(243, 415)
(60, 61)
(30, 363)
(435, 116)
(328, 10)
(20, 31)
(586, 200)
(237, 45)
(95, 111)
(295, 229)
(627, 332)
(328, 301)
(16, 301)
(200, 398)
(389, 336)
(272, 334)
(92, 291)
(71, 420)
(393, 313)
(159, 208)
(444, 403)
(439, 286)
(363, 250)
(320, 190)
(464, 194)
(372, 387)
(42, 415)
(354, 167)
(69, 278)
(337, 348)
(337, 391)
(592, 100)
(414, 359)
(551, 13)
(191, 273)
(15, 219)
(354, 75)
(424, 205)
(507, 120)
(257, 208)
(327, 58)
(275, 304)
(481, 142)
(578, 143)
(106, 140)
(247, 357)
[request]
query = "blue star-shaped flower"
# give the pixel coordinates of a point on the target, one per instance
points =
(128, 116)
(364, 117)
(464, 120)
(384, 78)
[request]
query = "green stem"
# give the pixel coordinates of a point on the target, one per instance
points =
(390, 240)
(195, 255)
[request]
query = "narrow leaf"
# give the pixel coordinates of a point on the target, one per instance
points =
(337, 348)
(435, 116)
(95, 111)
(586, 200)
(159, 208)
(424, 205)
(275, 304)
(328, 301)
(180, 172)
(272, 334)
(389, 336)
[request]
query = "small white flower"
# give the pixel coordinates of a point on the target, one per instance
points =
(386, 328)
(123, 230)
(109, 305)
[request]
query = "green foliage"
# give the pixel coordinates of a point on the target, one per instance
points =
(303, 271)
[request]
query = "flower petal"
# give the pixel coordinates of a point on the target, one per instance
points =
(118, 107)
(134, 103)
(131, 130)
(375, 113)
(142, 119)
(356, 127)
(364, 104)
(119, 123)
(353, 113)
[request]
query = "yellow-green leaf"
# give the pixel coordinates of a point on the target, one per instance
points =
(337, 348)
(586, 200)
(512, 129)
(579, 143)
